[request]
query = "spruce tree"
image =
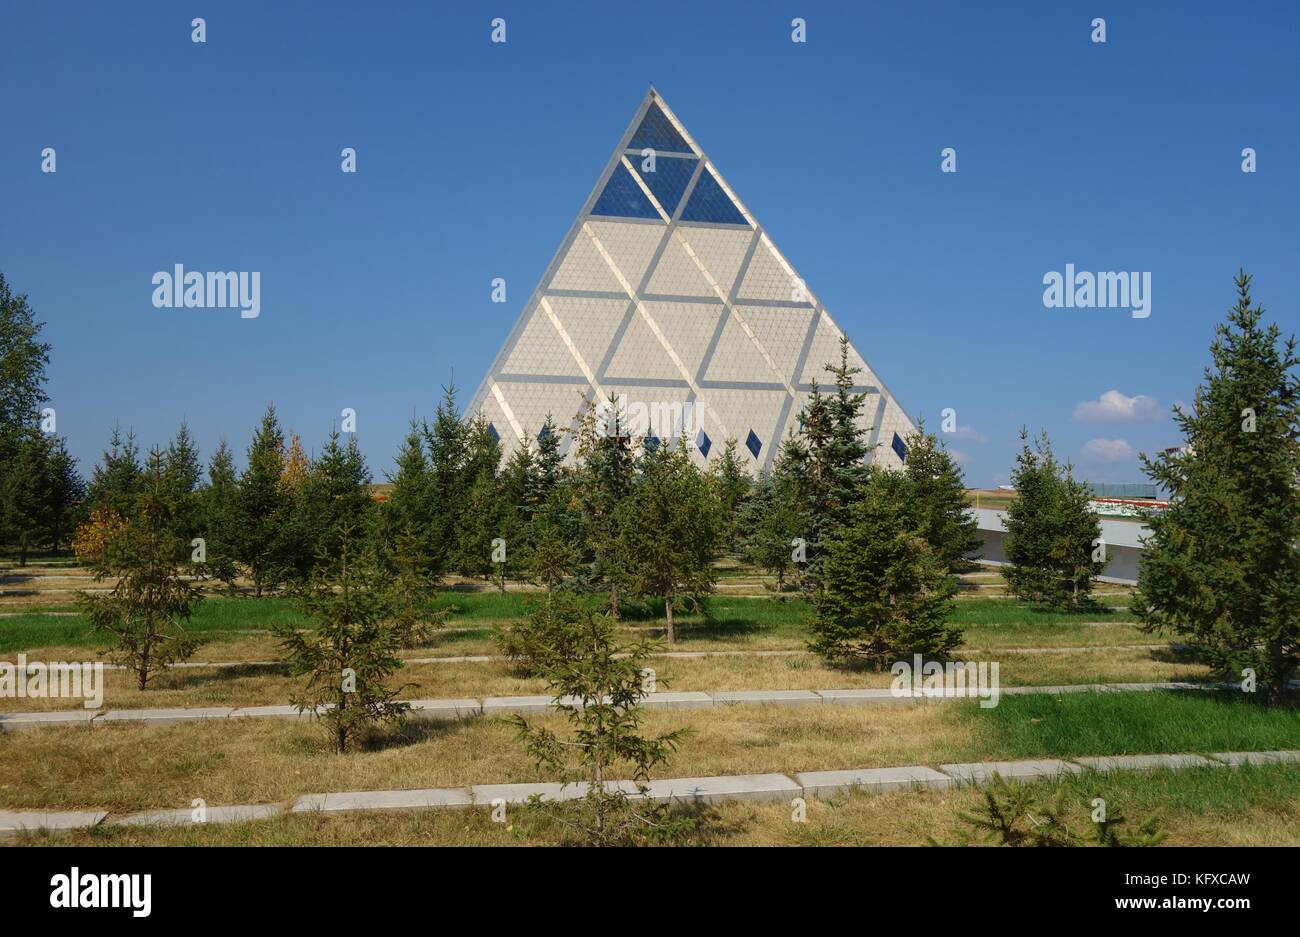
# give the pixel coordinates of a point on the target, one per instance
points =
(23, 360)
(944, 514)
(836, 447)
(333, 497)
(446, 442)
(409, 508)
(734, 487)
(217, 513)
(670, 528)
(117, 479)
(598, 686)
(886, 594)
(1051, 532)
(1222, 565)
(67, 491)
(352, 653)
(603, 480)
(184, 472)
(153, 593)
(26, 492)
(262, 508)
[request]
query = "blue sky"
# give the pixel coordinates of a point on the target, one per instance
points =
(474, 158)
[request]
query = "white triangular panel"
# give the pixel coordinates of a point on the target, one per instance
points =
(677, 274)
(590, 324)
(687, 327)
(641, 354)
(584, 269)
(593, 328)
(767, 279)
(540, 350)
(630, 246)
(781, 331)
(738, 358)
(721, 250)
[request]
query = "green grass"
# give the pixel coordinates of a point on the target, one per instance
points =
(731, 621)
(1132, 723)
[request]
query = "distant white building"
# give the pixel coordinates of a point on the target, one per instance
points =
(1124, 541)
(668, 294)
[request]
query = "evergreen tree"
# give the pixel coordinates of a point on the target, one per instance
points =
(945, 518)
(152, 594)
(598, 685)
(1222, 565)
(26, 492)
(409, 509)
(446, 441)
(603, 480)
(184, 472)
(262, 508)
(775, 516)
(1051, 532)
(886, 595)
(118, 478)
(23, 359)
(334, 496)
(836, 453)
(670, 527)
(67, 491)
(218, 518)
(734, 487)
(352, 653)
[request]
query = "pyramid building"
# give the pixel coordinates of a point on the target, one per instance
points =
(669, 299)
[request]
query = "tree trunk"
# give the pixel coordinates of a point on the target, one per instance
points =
(668, 611)
(613, 600)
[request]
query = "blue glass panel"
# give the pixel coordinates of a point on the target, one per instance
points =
(703, 443)
(658, 133)
(753, 444)
(492, 431)
(651, 443)
(899, 447)
(544, 431)
(709, 203)
(669, 179)
(622, 196)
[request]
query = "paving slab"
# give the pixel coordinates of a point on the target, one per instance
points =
(165, 717)
(872, 780)
(1146, 762)
(1149, 687)
(863, 697)
(14, 722)
(184, 816)
(683, 700)
(982, 772)
(270, 712)
(776, 697)
(444, 709)
(14, 820)
(383, 800)
(484, 794)
(1237, 759)
(524, 705)
(716, 790)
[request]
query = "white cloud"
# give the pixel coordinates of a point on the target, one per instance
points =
(1107, 451)
(1115, 407)
(958, 456)
(968, 433)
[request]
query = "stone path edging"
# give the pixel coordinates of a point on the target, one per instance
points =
(707, 790)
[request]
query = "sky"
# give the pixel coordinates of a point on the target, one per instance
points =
(473, 158)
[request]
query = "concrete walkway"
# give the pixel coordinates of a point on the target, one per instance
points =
(778, 788)
(448, 709)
